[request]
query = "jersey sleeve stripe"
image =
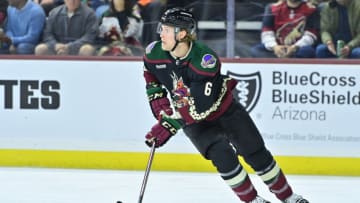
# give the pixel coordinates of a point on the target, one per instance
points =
(146, 59)
(204, 72)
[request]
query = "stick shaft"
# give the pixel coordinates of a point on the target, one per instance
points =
(147, 171)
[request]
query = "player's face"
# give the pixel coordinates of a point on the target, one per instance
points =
(167, 36)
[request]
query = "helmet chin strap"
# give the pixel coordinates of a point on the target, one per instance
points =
(176, 41)
(176, 44)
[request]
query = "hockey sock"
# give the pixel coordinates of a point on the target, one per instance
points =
(225, 160)
(240, 183)
(275, 179)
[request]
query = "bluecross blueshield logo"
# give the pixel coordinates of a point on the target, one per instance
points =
(248, 89)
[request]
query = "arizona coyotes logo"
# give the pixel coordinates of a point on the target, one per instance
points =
(180, 92)
(248, 89)
(290, 32)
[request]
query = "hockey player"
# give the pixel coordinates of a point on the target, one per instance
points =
(204, 107)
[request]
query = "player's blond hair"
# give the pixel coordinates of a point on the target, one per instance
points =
(189, 37)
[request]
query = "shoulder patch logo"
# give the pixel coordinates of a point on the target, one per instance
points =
(248, 89)
(150, 47)
(208, 61)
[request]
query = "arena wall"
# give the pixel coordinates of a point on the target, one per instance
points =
(93, 113)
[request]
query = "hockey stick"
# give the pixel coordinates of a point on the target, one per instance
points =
(147, 171)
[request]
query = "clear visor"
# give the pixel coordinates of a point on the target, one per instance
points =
(159, 28)
(165, 29)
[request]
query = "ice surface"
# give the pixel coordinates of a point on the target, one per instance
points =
(29, 185)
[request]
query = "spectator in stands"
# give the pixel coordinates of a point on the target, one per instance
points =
(127, 15)
(99, 6)
(290, 29)
(23, 27)
(121, 27)
(70, 29)
(340, 20)
(150, 13)
(48, 5)
(317, 2)
(3, 14)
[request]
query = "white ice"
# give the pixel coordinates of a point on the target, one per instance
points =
(29, 185)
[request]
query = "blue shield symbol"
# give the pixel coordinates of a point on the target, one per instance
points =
(248, 89)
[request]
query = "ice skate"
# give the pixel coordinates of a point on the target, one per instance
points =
(259, 199)
(294, 198)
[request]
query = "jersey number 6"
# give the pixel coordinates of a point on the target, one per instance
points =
(208, 87)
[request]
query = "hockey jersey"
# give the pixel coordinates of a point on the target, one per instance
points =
(290, 24)
(197, 88)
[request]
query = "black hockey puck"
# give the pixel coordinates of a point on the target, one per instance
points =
(119, 202)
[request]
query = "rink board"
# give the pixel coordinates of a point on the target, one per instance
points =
(94, 114)
(339, 166)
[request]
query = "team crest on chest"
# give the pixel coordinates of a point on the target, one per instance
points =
(180, 92)
(208, 61)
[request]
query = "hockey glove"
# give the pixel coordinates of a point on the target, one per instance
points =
(158, 100)
(162, 131)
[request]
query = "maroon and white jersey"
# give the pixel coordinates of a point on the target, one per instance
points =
(287, 26)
